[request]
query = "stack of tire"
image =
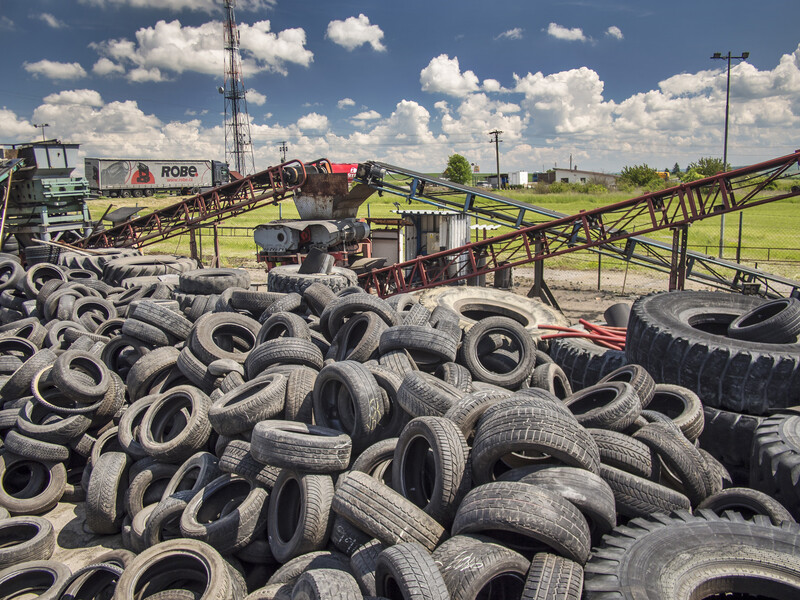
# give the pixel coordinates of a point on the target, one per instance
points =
(336, 445)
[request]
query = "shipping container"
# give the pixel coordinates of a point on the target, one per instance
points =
(144, 177)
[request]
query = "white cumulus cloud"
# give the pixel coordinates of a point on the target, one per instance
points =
(614, 32)
(313, 121)
(367, 115)
(354, 32)
(345, 102)
(105, 66)
(560, 32)
(511, 34)
(256, 98)
(443, 75)
(55, 70)
(173, 47)
(82, 97)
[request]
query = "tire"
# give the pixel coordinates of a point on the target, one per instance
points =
(524, 517)
(67, 376)
(638, 497)
(117, 270)
(363, 562)
(773, 465)
(584, 362)
(398, 361)
(326, 584)
(680, 457)
(707, 546)
(425, 345)
(382, 513)
(336, 313)
(728, 436)
(552, 378)
(639, 379)
(376, 460)
(23, 539)
(240, 410)
(317, 296)
(104, 498)
(147, 487)
(170, 321)
(237, 459)
(302, 447)
(168, 411)
(127, 432)
(149, 372)
(35, 421)
(283, 324)
(466, 411)
(34, 449)
(430, 466)
(521, 342)
(299, 401)
(348, 399)
(553, 577)
(292, 570)
(29, 487)
(164, 519)
(286, 279)
(237, 332)
(44, 578)
(96, 580)
(298, 514)
(422, 394)
(588, 492)
(748, 503)
(611, 405)
(529, 429)
(347, 538)
(227, 514)
(475, 569)
(623, 452)
(283, 351)
(18, 385)
(358, 339)
(407, 571)
(682, 406)
(473, 304)
(193, 474)
(212, 281)
(165, 565)
(664, 336)
(774, 322)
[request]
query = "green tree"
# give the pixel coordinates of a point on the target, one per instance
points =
(638, 175)
(708, 166)
(458, 169)
(676, 170)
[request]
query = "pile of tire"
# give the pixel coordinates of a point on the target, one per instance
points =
(257, 445)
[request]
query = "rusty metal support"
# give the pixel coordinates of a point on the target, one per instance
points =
(600, 228)
(677, 273)
(226, 201)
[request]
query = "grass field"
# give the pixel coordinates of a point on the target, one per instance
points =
(769, 231)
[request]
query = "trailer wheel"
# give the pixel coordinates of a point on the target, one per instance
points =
(149, 192)
(138, 193)
(125, 193)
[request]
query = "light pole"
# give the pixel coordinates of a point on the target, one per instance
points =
(496, 133)
(42, 126)
(728, 57)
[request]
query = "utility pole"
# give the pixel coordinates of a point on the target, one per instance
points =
(719, 56)
(284, 149)
(42, 126)
(496, 133)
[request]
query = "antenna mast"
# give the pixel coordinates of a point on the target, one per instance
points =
(238, 146)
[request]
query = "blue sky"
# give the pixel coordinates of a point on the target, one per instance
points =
(612, 83)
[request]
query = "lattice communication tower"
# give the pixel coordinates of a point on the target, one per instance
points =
(238, 145)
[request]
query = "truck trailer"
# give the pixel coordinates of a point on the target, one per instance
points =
(128, 177)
